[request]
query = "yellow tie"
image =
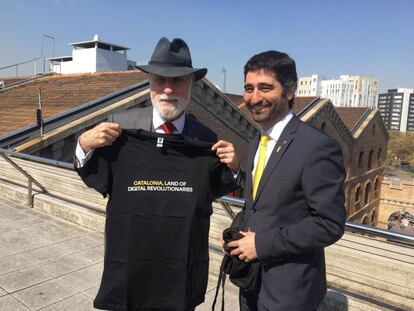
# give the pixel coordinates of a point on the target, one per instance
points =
(260, 163)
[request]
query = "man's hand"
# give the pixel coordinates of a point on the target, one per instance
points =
(222, 247)
(227, 154)
(104, 134)
(245, 248)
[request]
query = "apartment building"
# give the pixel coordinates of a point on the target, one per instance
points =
(351, 91)
(397, 109)
(347, 91)
(309, 86)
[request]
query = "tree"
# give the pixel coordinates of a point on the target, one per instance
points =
(400, 146)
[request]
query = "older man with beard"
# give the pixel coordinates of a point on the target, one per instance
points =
(156, 234)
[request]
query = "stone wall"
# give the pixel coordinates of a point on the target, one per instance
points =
(396, 196)
(366, 170)
(364, 151)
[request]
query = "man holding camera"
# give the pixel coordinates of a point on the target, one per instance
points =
(294, 193)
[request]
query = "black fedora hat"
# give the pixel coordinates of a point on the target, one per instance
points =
(172, 59)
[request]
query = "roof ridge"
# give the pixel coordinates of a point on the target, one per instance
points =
(361, 118)
(84, 74)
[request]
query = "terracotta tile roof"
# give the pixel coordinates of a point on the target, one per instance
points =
(301, 102)
(350, 115)
(10, 80)
(59, 93)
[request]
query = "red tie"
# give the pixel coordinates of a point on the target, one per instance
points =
(168, 127)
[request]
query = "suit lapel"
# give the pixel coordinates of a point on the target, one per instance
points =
(279, 150)
(188, 128)
(144, 119)
(192, 129)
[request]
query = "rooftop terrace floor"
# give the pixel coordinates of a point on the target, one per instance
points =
(48, 264)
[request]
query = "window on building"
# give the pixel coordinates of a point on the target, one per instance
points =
(373, 129)
(373, 216)
(367, 193)
(376, 185)
(370, 159)
(361, 157)
(379, 154)
(365, 220)
(323, 126)
(357, 194)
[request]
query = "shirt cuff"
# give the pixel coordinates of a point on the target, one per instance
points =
(81, 157)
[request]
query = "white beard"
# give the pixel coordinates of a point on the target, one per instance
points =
(170, 111)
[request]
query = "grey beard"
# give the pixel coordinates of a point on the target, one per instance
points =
(170, 113)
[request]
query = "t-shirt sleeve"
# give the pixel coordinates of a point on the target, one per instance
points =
(97, 173)
(222, 179)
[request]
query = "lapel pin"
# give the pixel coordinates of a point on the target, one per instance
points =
(278, 148)
(284, 142)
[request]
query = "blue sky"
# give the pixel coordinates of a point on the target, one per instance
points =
(364, 37)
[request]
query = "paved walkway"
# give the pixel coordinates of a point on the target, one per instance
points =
(46, 264)
(50, 265)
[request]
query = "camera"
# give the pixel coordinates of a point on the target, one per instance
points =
(230, 234)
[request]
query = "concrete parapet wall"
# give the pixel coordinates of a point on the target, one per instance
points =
(363, 273)
(56, 207)
(60, 182)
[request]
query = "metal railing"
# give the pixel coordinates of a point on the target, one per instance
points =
(226, 202)
(34, 61)
(30, 179)
(36, 159)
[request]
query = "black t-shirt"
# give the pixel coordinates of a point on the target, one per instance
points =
(160, 192)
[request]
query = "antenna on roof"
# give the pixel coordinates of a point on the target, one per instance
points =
(42, 56)
(224, 71)
(39, 118)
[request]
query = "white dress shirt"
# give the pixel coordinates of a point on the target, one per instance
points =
(157, 121)
(274, 132)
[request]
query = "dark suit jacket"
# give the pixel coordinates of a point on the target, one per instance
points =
(299, 209)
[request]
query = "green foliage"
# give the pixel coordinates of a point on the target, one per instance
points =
(400, 147)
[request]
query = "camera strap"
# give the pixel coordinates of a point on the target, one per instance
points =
(221, 282)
